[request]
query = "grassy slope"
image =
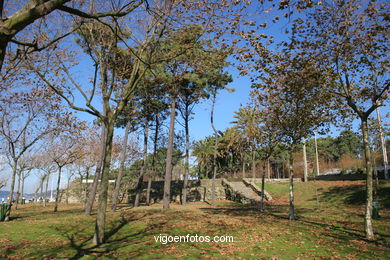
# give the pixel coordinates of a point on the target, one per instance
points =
(330, 227)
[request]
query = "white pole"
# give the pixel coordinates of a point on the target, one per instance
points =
(304, 161)
(51, 191)
(383, 144)
(317, 163)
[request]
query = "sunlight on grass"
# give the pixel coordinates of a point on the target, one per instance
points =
(331, 229)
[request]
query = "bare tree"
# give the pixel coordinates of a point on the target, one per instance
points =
(25, 166)
(62, 152)
(348, 41)
(47, 167)
(20, 133)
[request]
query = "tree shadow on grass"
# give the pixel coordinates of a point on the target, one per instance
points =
(239, 210)
(84, 247)
(339, 230)
(344, 233)
(356, 195)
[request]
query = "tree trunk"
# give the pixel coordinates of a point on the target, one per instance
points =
(3, 48)
(169, 166)
(39, 187)
(369, 188)
(262, 189)
(153, 166)
(67, 191)
(92, 194)
(233, 173)
(23, 178)
(383, 144)
(291, 177)
(268, 169)
(243, 165)
(36, 192)
(141, 175)
(187, 169)
(11, 191)
(18, 190)
(316, 150)
(253, 162)
(149, 188)
(121, 169)
(100, 225)
(46, 188)
(213, 191)
(304, 162)
(86, 188)
(58, 188)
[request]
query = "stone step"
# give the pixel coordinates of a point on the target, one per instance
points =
(246, 191)
(238, 191)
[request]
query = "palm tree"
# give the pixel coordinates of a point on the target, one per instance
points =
(247, 122)
(204, 151)
(232, 146)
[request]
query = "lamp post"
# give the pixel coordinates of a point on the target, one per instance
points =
(317, 163)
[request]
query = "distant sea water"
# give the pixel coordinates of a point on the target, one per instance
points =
(28, 196)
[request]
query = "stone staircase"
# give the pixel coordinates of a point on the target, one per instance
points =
(244, 192)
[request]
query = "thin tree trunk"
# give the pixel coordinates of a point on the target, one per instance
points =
(118, 181)
(141, 175)
(253, 162)
(213, 190)
(40, 187)
(187, 166)
(304, 162)
(92, 194)
(86, 187)
(233, 172)
(99, 236)
(243, 166)
(46, 188)
(67, 191)
(18, 190)
(11, 192)
(43, 180)
(153, 166)
(169, 166)
(149, 188)
(23, 179)
(291, 176)
(262, 189)
(58, 189)
(383, 144)
(369, 186)
(268, 169)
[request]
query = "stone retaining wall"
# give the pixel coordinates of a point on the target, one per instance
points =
(198, 190)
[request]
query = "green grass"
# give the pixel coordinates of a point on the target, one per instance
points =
(329, 225)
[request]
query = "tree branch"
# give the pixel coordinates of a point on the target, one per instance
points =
(99, 15)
